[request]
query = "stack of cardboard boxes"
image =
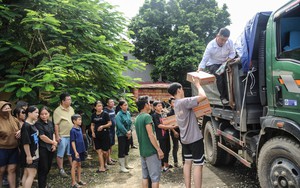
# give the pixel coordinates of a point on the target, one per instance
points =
(204, 107)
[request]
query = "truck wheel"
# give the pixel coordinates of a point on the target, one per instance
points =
(228, 159)
(213, 153)
(279, 163)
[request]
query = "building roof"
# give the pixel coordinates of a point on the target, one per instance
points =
(154, 85)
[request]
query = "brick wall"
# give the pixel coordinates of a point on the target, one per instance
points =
(157, 91)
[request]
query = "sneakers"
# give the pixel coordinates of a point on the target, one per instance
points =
(62, 173)
(134, 147)
(225, 101)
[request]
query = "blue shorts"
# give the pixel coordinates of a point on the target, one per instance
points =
(9, 156)
(151, 167)
(63, 147)
(81, 157)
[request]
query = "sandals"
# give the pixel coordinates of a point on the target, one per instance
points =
(81, 182)
(100, 171)
(110, 163)
(76, 185)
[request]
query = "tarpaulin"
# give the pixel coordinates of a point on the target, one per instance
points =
(245, 43)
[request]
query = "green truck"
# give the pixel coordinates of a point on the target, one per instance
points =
(261, 125)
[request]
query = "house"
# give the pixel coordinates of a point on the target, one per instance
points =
(155, 90)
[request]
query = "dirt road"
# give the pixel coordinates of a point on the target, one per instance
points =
(236, 176)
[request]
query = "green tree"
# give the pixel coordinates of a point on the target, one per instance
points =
(172, 35)
(51, 46)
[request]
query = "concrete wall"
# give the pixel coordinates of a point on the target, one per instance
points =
(144, 75)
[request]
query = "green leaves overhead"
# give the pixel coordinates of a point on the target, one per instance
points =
(52, 46)
(173, 34)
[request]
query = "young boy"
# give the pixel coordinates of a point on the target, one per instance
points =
(174, 134)
(77, 150)
(162, 134)
(190, 133)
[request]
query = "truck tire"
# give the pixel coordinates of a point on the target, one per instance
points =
(213, 154)
(228, 159)
(279, 163)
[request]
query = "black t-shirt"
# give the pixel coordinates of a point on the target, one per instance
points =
(100, 119)
(46, 129)
(160, 133)
(29, 135)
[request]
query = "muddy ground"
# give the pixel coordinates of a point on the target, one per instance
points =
(236, 176)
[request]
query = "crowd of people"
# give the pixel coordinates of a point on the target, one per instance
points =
(31, 138)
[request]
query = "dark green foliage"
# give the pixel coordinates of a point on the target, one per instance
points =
(172, 35)
(51, 46)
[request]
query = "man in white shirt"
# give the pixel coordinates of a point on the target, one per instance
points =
(218, 51)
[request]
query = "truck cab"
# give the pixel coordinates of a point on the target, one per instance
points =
(261, 125)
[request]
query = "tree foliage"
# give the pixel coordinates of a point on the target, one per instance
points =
(172, 35)
(51, 46)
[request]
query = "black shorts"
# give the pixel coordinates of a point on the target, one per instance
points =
(102, 140)
(194, 151)
(81, 157)
(34, 164)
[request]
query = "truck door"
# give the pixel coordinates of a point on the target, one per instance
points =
(285, 62)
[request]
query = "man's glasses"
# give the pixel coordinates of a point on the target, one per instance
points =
(23, 112)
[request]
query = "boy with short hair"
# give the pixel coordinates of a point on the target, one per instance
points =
(77, 150)
(162, 134)
(174, 134)
(190, 133)
(150, 151)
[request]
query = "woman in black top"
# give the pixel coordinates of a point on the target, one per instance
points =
(47, 145)
(100, 123)
(29, 146)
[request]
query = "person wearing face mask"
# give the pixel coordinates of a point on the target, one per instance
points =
(9, 135)
(217, 52)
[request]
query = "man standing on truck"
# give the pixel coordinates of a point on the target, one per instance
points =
(190, 133)
(217, 52)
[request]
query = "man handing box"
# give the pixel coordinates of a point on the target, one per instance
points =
(205, 78)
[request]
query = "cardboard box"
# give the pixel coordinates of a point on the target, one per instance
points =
(202, 109)
(205, 78)
(170, 120)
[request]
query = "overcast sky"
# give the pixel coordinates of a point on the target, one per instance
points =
(240, 10)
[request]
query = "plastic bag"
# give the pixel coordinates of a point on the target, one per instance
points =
(221, 69)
